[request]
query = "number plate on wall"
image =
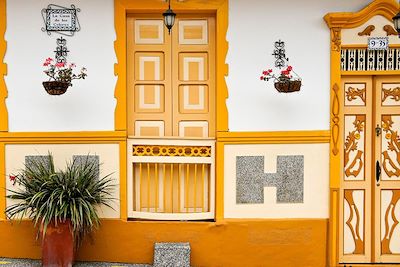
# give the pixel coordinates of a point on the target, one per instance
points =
(378, 43)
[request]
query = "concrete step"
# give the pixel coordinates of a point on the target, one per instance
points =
(171, 255)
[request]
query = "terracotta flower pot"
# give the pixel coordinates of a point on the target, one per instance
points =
(58, 245)
(55, 87)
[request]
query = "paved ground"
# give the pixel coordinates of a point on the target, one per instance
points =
(36, 263)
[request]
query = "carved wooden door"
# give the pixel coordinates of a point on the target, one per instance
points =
(171, 77)
(369, 229)
(387, 169)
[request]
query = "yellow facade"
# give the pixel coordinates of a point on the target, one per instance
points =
(224, 241)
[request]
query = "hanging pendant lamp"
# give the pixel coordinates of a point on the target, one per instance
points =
(169, 17)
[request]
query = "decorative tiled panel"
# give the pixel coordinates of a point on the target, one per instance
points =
(149, 32)
(192, 32)
(251, 179)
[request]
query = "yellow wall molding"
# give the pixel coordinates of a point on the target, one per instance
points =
(3, 178)
(3, 69)
(382, 72)
(288, 137)
(289, 243)
(386, 8)
(217, 7)
(61, 137)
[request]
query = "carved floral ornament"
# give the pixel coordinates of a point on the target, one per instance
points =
(354, 93)
(391, 154)
(392, 93)
(354, 164)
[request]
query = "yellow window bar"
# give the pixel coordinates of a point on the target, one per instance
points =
(165, 189)
(156, 174)
(202, 187)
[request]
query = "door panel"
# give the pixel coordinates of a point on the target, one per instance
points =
(149, 77)
(194, 78)
(387, 154)
(355, 194)
(171, 77)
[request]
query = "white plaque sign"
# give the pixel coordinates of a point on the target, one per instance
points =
(378, 43)
(62, 20)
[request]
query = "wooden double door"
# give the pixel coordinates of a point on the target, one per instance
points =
(171, 77)
(369, 229)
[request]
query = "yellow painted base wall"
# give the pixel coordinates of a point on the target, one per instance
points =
(244, 243)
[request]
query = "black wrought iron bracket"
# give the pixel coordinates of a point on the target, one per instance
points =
(279, 53)
(61, 50)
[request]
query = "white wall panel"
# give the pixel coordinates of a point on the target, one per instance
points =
(89, 104)
(254, 26)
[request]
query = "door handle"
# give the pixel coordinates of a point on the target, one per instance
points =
(377, 172)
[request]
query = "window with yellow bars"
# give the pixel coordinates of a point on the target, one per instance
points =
(174, 183)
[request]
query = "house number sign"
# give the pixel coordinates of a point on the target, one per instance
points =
(61, 19)
(378, 43)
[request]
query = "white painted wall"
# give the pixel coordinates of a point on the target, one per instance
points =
(254, 26)
(253, 105)
(89, 104)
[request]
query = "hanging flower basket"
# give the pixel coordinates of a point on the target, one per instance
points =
(288, 86)
(56, 87)
(61, 76)
(285, 82)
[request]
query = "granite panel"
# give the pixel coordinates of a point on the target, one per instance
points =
(171, 255)
(92, 159)
(251, 179)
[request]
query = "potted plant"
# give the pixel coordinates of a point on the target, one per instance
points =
(60, 76)
(61, 203)
(285, 82)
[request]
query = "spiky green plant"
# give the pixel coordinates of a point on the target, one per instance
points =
(49, 196)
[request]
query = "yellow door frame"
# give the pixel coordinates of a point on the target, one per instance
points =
(3, 69)
(217, 7)
(336, 22)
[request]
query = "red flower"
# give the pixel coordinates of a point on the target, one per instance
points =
(12, 178)
(262, 78)
(269, 70)
(289, 68)
(60, 64)
(265, 72)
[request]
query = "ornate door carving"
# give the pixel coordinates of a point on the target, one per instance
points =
(370, 183)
